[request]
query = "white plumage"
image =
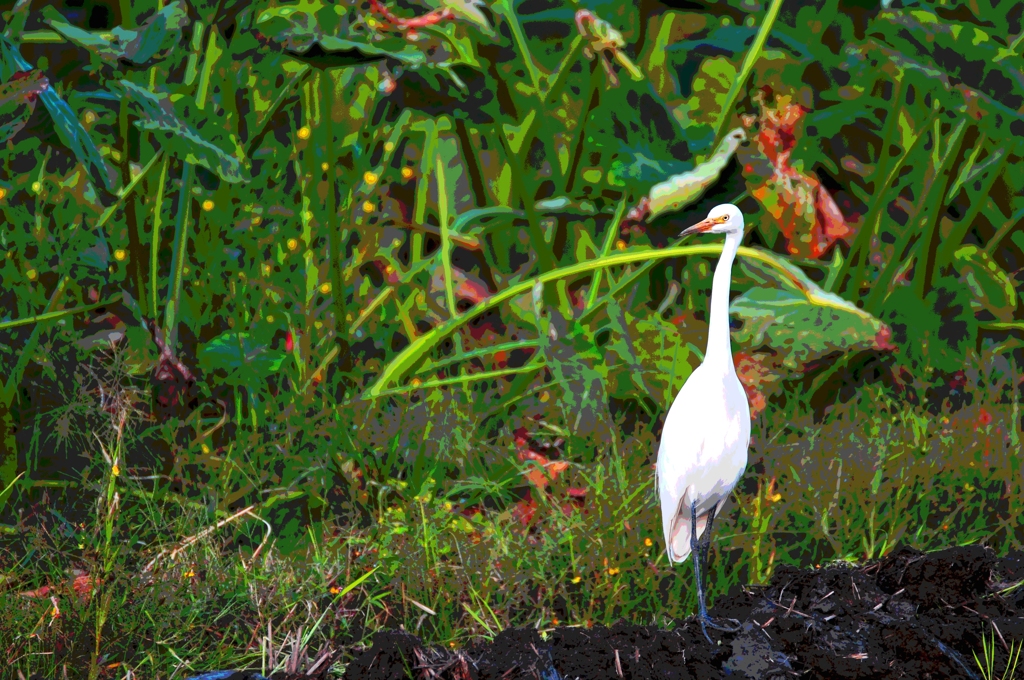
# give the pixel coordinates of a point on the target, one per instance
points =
(703, 450)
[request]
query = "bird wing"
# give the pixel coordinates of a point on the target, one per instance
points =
(679, 453)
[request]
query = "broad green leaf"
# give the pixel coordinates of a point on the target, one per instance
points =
(337, 28)
(246, 361)
(154, 39)
(679, 191)
(68, 128)
(798, 319)
(18, 100)
(992, 287)
(158, 113)
(665, 354)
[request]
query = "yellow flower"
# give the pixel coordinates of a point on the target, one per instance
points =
(256, 220)
(389, 269)
(31, 274)
(293, 244)
(335, 590)
(189, 574)
(648, 542)
(304, 132)
(115, 470)
(37, 187)
(620, 244)
(324, 166)
(120, 254)
(544, 396)
(416, 382)
(266, 270)
(206, 449)
(369, 177)
(90, 117)
(969, 487)
(325, 288)
(368, 206)
(389, 146)
(613, 571)
(577, 579)
(270, 318)
(207, 205)
(3, 192)
(554, 620)
(407, 173)
(318, 324)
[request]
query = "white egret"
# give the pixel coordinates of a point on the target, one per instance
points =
(703, 450)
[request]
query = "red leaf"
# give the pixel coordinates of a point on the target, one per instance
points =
(804, 210)
(289, 342)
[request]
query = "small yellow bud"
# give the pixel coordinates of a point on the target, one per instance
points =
(206, 449)
(266, 270)
(368, 206)
(3, 193)
(395, 242)
(31, 274)
(324, 166)
(416, 382)
(620, 244)
(37, 187)
(89, 117)
(270, 318)
(120, 254)
(318, 325)
(544, 396)
(292, 244)
(389, 146)
(256, 220)
(577, 579)
(325, 288)
(116, 470)
(207, 205)
(370, 177)
(613, 571)
(648, 542)
(389, 269)
(407, 173)
(304, 132)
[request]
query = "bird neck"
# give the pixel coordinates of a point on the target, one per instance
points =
(719, 349)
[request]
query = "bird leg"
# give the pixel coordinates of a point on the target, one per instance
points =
(699, 550)
(702, 610)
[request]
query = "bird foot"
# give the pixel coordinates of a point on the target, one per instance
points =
(709, 622)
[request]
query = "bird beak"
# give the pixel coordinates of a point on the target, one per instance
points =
(698, 228)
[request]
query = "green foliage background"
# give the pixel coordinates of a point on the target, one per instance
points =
(379, 251)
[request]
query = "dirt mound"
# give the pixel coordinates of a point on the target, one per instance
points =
(909, 615)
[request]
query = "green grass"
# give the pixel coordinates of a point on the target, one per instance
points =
(226, 590)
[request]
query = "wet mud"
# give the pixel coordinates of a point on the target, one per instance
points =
(909, 615)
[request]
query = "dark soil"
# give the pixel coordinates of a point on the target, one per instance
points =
(911, 615)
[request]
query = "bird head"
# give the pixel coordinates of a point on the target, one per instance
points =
(723, 219)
